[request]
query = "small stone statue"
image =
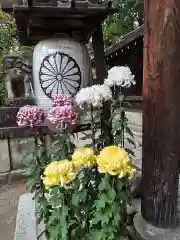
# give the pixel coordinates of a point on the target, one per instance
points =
(17, 78)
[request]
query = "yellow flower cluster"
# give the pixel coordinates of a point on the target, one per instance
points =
(84, 157)
(64, 171)
(115, 161)
(59, 173)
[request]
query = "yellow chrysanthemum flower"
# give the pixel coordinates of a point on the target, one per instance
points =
(50, 181)
(51, 169)
(84, 157)
(59, 173)
(67, 172)
(115, 161)
(131, 172)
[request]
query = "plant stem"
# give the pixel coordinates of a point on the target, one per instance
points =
(35, 150)
(122, 117)
(123, 128)
(93, 128)
(66, 148)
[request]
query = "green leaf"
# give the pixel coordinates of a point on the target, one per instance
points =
(54, 232)
(104, 184)
(118, 139)
(105, 218)
(130, 152)
(96, 235)
(116, 218)
(117, 125)
(64, 224)
(101, 202)
(56, 197)
(96, 219)
(88, 145)
(128, 130)
(75, 199)
(131, 142)
(81, 174)
(124, 197)
(35, 187)
(111, 194)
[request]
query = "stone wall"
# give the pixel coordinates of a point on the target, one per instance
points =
(12, 152)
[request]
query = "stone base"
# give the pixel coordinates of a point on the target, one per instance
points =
(145, 231)
(26, 224)
(19, 102)
(26, 219)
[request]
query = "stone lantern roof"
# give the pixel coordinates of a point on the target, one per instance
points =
(42, 19)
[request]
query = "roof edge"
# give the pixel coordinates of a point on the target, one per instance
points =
(126, 39)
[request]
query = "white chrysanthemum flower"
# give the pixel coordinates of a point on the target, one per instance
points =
(120, 76)
(94, 95)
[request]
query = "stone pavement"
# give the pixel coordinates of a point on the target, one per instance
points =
(9, 196)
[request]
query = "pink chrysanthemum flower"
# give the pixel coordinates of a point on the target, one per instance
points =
(30, 116)
(62, 116)
(62, 100)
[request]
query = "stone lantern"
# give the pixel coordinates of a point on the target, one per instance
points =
(61, 30)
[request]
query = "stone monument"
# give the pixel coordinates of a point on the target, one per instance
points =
(17, 80)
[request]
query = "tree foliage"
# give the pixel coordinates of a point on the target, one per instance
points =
(129, 17)
(9, 42)
(8, 38)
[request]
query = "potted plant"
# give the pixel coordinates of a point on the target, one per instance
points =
(82, 193)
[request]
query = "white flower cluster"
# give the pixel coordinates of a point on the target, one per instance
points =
(94, 95)
(120, 76)
(97, 94)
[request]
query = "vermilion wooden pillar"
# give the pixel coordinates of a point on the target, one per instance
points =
(161, 136)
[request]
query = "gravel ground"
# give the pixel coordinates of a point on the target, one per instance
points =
(9, 196)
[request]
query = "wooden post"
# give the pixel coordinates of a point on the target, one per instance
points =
(99, 57)
(101, 73)
(161, 122)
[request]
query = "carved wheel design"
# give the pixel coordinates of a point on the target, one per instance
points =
(59, 73)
